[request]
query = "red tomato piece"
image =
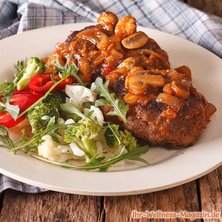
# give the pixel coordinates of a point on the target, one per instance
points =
(7, 120)
(24, 100)
(25, 90)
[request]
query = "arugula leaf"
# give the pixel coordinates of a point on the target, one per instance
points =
(68, 70)
(7, 88)
(98, 162)
(119, 107)
(101, 102)
(70, 108)
(5, 139)
(20, 65)
(112, 139)
(37, 139)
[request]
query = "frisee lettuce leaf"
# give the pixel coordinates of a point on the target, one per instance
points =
(5, 139)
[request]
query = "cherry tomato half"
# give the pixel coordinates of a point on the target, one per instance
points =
(23, 100)
(7, 120)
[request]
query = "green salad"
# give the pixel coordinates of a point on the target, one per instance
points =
(60, 120)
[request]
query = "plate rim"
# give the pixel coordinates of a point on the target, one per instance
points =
(117, 193)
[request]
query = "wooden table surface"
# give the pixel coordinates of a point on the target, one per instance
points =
(204, 194)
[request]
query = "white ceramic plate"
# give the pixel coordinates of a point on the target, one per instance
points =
(168, 169)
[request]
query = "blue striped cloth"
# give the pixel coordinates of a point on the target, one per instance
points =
(170, 16)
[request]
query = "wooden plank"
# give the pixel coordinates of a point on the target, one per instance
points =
(50, 207)
(210, 6)
(1, 200)
(176, 199)
(211, 192)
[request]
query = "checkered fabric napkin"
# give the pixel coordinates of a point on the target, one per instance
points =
(170, 16)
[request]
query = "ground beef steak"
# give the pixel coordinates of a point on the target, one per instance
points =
(148, 123)
(164, 107)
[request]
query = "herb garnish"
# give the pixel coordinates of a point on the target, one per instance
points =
(119, 107)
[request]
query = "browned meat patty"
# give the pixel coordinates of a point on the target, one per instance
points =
(147, 122)
(164, 107)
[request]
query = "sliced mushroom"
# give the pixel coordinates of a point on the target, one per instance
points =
(152, 56)
(95, 36)
(129, 63)
(138, 81)
(131, 98)
(185, 70)
(152, 80)
(135, 41)
(173, 75)
(180, 90)
(167, 89)
(170, 100)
